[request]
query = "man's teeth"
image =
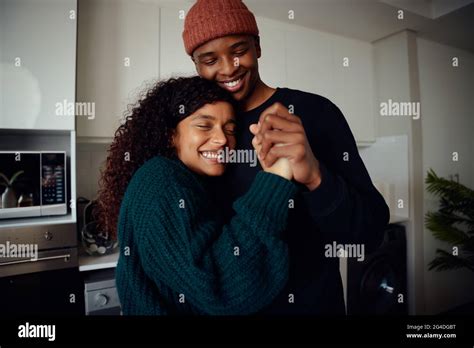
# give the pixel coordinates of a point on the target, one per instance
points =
(232, 83)
(208, 154)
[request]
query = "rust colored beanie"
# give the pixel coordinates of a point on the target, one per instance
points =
(211, 19)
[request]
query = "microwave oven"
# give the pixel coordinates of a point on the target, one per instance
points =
(32, 183)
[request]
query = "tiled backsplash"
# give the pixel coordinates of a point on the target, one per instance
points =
(90, 159)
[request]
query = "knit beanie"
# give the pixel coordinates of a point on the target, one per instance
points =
(211, 19)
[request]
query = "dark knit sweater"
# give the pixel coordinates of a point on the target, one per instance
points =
(176, 256)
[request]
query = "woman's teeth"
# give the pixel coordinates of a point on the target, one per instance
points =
(209, 154)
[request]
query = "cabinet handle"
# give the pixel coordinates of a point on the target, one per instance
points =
(66, 257)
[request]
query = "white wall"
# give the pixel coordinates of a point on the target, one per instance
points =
(447, 102)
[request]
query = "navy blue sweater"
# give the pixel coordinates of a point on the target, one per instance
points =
(345, 208)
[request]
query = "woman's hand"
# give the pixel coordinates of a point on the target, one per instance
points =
(281, 167)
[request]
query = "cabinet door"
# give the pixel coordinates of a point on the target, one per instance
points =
(272, 63)
(309, 61)
(354, 86)
(37, 64)
(118, 50)
(315, 64)
(174, 61)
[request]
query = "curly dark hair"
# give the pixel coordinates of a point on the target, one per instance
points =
(147, 132)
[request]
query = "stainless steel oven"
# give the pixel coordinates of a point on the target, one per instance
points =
(45, 278)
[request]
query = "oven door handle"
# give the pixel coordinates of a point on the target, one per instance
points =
(66, 258)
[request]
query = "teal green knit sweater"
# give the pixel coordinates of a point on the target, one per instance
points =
(175, 256)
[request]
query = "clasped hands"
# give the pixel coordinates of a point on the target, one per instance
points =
(282, 146)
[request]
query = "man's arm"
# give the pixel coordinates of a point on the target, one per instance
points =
(346, 205)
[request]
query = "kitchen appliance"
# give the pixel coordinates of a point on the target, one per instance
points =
(378, 285)
(100, 293)
(48, 283)
(33, 183)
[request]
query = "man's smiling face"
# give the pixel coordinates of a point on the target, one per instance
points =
(231, 61)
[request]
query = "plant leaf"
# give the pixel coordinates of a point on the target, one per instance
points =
(16, 175)
(440, 225)
(453, 190)
(446, 261)
(4, 177)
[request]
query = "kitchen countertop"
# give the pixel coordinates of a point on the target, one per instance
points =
(91, 263)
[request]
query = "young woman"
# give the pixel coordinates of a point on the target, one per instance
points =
(176, 256)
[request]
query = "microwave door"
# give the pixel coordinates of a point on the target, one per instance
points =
(20, 189)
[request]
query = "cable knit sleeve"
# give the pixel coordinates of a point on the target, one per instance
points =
(233, 269)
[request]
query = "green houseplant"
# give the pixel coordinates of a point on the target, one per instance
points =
(452, 223)
(9, 195)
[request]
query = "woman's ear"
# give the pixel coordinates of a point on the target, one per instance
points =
(174, 138)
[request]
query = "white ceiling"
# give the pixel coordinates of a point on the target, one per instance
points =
(446, 21)
(429, 8)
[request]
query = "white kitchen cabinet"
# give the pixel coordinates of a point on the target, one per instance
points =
(37, 64)
(174, 61)
(309, 61)
(272, 63)
(118, 51)
(315, 64)
(292, 56)
(354, 86)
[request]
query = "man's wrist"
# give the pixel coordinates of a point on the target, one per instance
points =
(316, 181)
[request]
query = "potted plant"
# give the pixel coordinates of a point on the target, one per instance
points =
(452, 223)
(9, 195)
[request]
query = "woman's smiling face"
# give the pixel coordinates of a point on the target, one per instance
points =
(200, 136)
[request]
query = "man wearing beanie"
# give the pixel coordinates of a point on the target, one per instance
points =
(338, 202)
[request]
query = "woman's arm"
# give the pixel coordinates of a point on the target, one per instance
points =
(238, 268)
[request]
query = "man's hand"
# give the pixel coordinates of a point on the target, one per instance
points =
(278, 126)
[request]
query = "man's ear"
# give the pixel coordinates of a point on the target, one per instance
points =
(195, 64)
(258, 49)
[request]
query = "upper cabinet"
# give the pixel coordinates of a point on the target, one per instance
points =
(337, 68)
(354, 92)
(118, 51)
(273, 61)
(310, 66)
(37, 64)
(122, 44)
(174, 61)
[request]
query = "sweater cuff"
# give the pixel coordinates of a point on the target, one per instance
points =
(323, 200)
(270, 193)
